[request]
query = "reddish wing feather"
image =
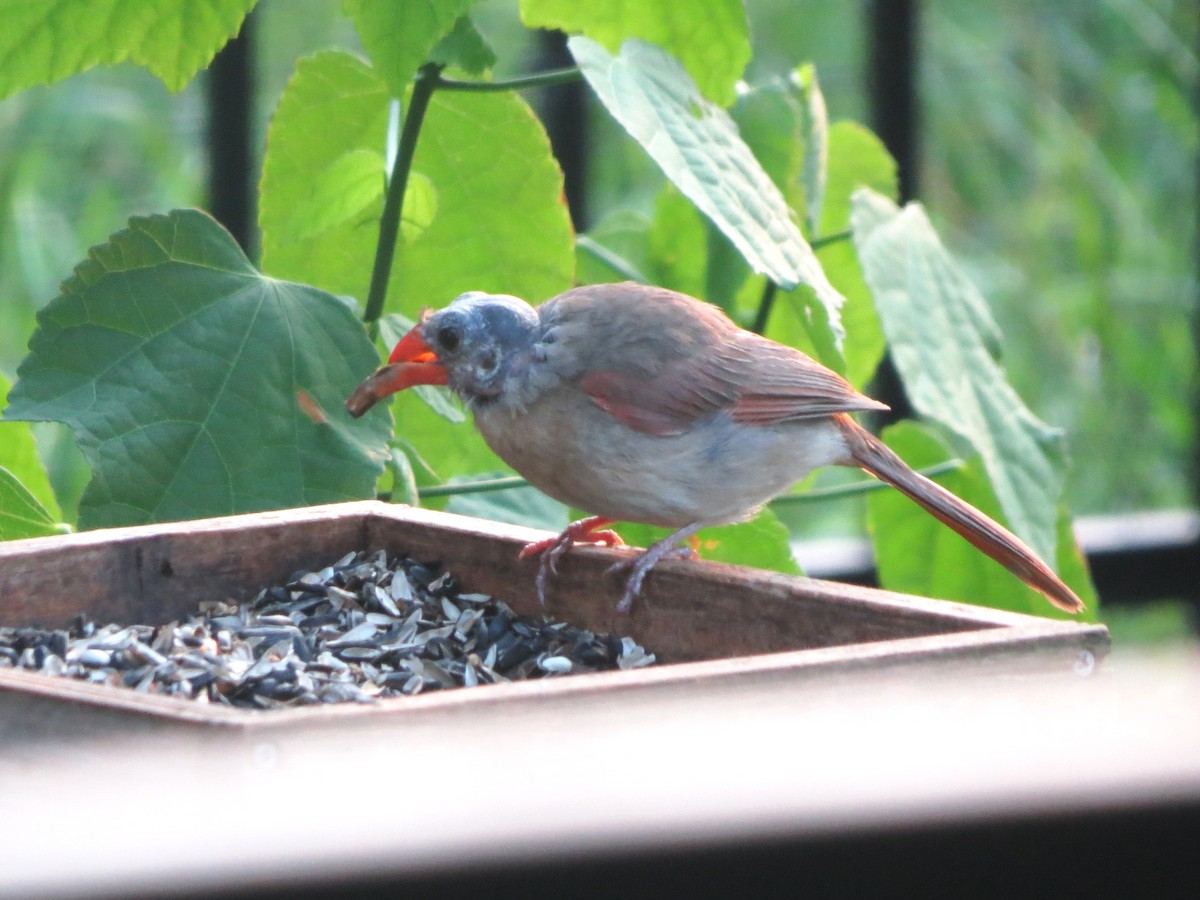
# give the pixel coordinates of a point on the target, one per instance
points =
(758, 381)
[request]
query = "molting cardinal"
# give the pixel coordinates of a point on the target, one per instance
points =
(640, 404)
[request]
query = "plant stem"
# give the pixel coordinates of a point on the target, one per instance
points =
(614, 261)
(818, 243)
(389, 223)
(765, 304)
(861, 487)
(471, 487)
(829, 493)
(538, 79)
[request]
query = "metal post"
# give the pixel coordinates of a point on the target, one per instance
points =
(232, 177)
(892, 97)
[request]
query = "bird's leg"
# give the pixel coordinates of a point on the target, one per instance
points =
(584, 531)
(640, 565)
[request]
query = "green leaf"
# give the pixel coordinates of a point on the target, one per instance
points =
(48, 40)
(677, 244)
(500, 223)
(352, 183)
(917, 554)
(857, 159)
(399, 37)
(334, 107)
(517, 506)
(617, 249)
(713, 43)
(942, 338)
(19, 455)
(464, 48)
(195, 385)
(698, 148)
(814, 129)
(818, 166)
(449, 450)
(401, 478)
(21, 515)
(761, 543)
(420, 207)
(865, 342)
(768, 118)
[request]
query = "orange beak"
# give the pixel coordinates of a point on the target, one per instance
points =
(410, 363)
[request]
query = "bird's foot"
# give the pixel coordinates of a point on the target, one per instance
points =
(585, 531)
(639, 566)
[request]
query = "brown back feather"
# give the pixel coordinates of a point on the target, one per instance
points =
(684, 362)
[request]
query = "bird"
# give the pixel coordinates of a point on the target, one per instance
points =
(635, 403)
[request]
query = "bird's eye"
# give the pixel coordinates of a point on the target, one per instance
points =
(487, 361)
(449, 337)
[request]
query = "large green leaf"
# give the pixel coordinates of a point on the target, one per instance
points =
(19, 455)
(814, 128)
(502, 225)
(400, 36)
(197, 386)
(783, 123)
(865, 342)
(497, 221)
(697, 146)
(21, 515)
(917, 554)
(857, 159)
(334, 109)
(48, 40)
(712, 42)
(943, 340)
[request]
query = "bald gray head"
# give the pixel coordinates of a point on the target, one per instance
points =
(487, 343)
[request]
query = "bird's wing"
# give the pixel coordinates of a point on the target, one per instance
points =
(758, 381)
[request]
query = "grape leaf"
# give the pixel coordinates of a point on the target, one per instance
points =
(49, 40)
(21, 515)
(399, 37)
(489, 192)
(19, 455)
(713, 43)
(197, 386)
(697, 146)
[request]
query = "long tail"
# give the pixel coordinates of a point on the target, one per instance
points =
(991, 537)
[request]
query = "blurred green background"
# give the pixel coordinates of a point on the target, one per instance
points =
(1059, 152)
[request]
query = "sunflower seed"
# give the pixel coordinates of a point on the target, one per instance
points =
(367, 627)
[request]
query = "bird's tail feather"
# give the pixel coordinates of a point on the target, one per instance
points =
(872, 455)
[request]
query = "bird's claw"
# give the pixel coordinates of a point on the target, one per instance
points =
(639, 567)
(590, 531)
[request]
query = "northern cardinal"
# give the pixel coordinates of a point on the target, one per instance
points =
(640, 404)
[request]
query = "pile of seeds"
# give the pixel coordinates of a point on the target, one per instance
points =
(368, 626)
